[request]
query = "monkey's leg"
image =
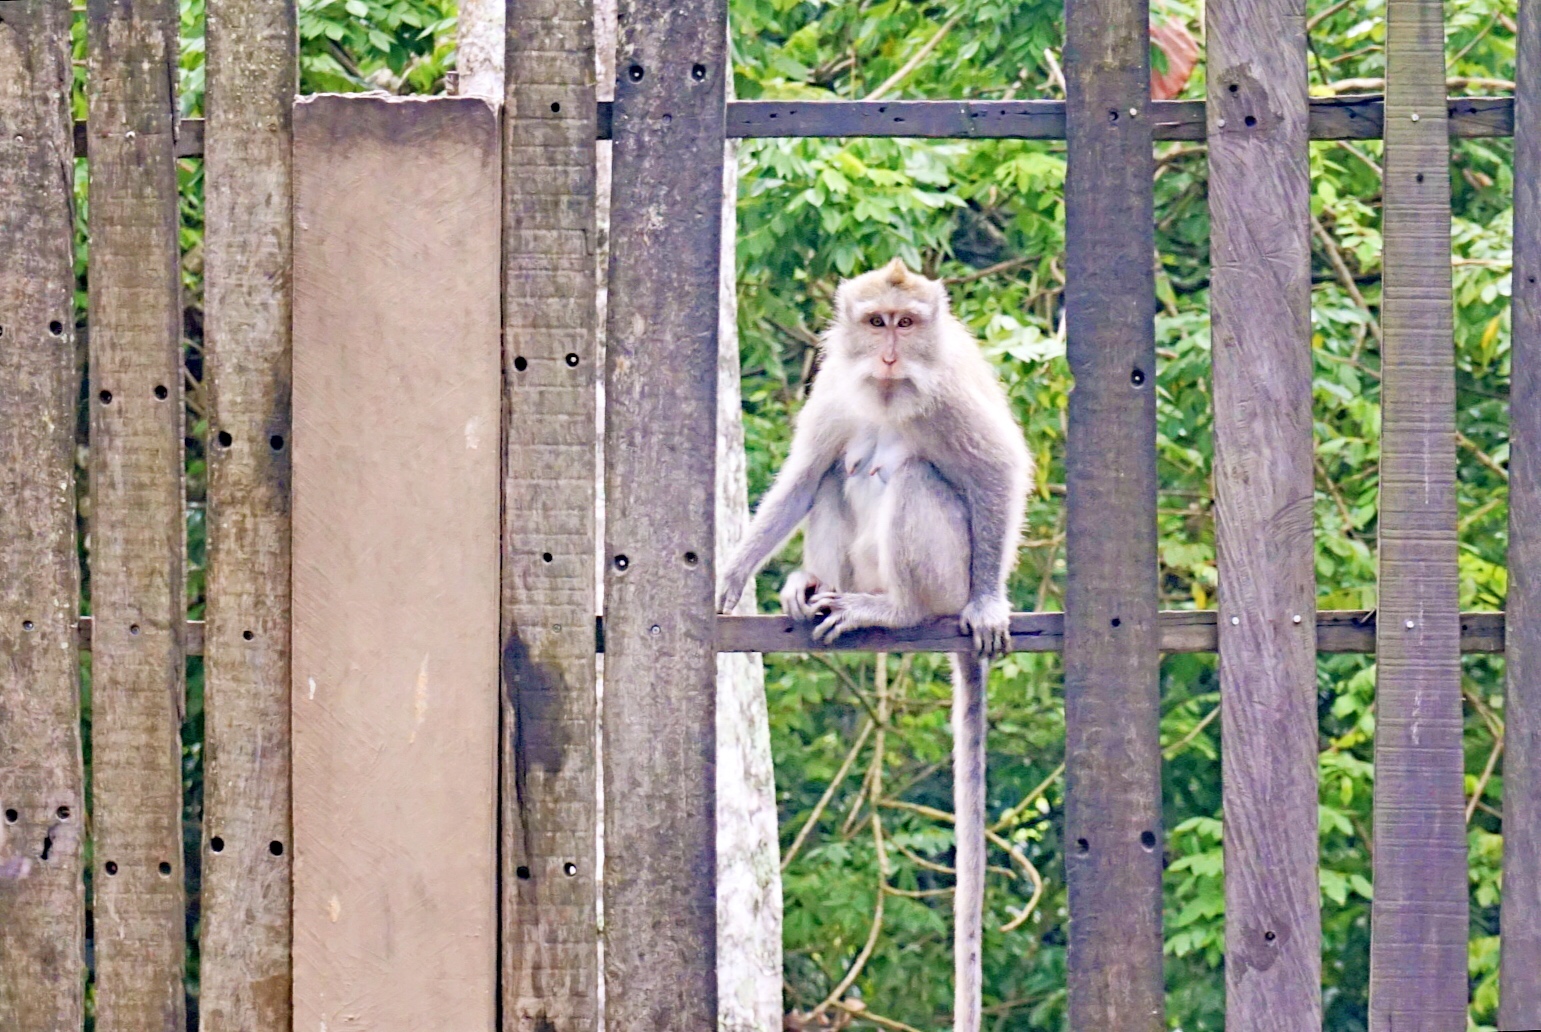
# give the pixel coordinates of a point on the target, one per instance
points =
(969, 674)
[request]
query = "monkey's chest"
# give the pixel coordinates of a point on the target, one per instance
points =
(870, 465)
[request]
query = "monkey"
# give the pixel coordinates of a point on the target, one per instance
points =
(910, 475)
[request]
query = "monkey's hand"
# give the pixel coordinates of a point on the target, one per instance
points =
(732, 590)
(988, 620)
(797, 594)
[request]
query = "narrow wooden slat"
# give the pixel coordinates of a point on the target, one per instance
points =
(244, 983)
(396, 398)
(550, 952)
(1112, 748)
(1260, 309)
(42, 895)
(1419, 921)
(137, 526)
(660, 450)
(1519, 979)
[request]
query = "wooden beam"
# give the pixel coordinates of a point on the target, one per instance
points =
(660, 466)
(1519, 983)
(244, 967)
(550, 950)
(1113, 830)
(1419, 917)
(42, 796)
(137, 518)
(396, 470)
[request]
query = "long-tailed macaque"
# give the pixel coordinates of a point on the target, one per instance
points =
(912, 476)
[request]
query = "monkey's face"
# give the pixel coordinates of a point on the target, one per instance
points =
(894, 337)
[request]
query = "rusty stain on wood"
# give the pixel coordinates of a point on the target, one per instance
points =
(42, 895)
(245, 926)
(550, 949)
(137, 524)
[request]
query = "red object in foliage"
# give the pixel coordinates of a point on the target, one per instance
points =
(1182, 53)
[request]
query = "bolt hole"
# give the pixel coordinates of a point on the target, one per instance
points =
(1418, 178)
(217, 844)
(105, 397)
(691, 559)
(133, 628)
(1251, 120)
(276, 848)
(248, 635)
(27, 625)
(224, 439)
(276, 442)
(569, 869)
(635, 73)
(572, 360)
(555, 107)
(1270, 936)
(698, 72)
(1082, 846)
(111, 867)
(1233, 87)
(521, 363)
(11, 816)
(1148, 840)
(1530, 279)
(523, 873)
(545, 557)
(1115, 622)
(165, 869)
(1137, 377)
(621, 562)
(63, 813)
(56, 327)
(161, 393)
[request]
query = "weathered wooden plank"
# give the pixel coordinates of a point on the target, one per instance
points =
(395, 582)
(1419, 921)
(660, 458)
(1112, 746)
(1260, 310)
(244, 983)
(42, 895)
(1519, 980)
(137, 525)
(550, 958)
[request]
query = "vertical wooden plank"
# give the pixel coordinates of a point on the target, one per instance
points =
(550, 950)
(660, 450)
(1260, 305)
(42, 895)
(1418, 925)
(395, 569)
(244, 983)
(137, 526)
(1519, 981)
(1112, 753)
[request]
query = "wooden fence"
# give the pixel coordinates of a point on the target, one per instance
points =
(394, 858)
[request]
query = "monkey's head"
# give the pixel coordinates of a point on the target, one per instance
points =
(888, 325)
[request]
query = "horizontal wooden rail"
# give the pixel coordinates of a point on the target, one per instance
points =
(1182, 630)
(1332, 118)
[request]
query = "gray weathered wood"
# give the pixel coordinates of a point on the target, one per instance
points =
(660, 449)
(137, 524)
(1520, 920)
(1419, 920)
(550, 939)
(1112, 748)
(42, 895)
(244, 983)
(1260, 306)
(395, 570)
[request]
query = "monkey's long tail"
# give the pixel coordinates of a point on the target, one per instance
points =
(968, 777)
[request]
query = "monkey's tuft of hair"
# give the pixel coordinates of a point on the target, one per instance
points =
(897, 272)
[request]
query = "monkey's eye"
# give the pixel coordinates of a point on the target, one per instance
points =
(876, 320)
(905, 320)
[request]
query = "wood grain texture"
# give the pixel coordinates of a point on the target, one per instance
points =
(1260, 310)
(660, 458)
(137, 526)
(1519, 980)
(42, 895)
(396, 470)
(244, 983)
(1419, 920)
(550, 951)
(1112, 749)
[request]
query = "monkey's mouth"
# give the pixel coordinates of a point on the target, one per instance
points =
(892, 388)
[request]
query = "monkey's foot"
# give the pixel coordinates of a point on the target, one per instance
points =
(797, 595)
(839, 612)
(988, 620)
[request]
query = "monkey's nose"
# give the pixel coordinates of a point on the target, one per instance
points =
(890, 359)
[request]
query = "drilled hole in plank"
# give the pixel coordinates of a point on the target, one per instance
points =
(161, 393)
(555, 106)
(105, 397)
(523, 873)
(572, 361)
(635, 73)
(27, 625)
(1148, 840)
(569, 869)
(691, 559)
(165, 869)
(248, 635)
(521, 363)
(698, 72)
(276, 848)
(224, 439)
(133, 628)
(545, 557)
(1251, 120)
(1270, 936)
(111, 867)
(1115, 622)
(621, 562)
(63, 813)
(1082, 846)
(11, 816)
(56, 327)
(217, 844)
(276, 442)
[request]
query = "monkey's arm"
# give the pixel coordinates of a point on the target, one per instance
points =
(995, 501)
(783, 508)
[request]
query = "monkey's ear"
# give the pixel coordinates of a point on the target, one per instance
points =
(897, 272)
